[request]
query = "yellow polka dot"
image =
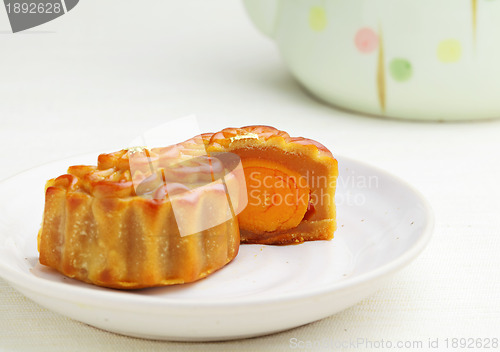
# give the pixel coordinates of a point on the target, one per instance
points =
(317, 18)
(449, 50)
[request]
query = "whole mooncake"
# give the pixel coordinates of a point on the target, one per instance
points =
(140, 218)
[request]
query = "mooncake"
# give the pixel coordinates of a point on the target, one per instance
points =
(118, 224)
(154, 217)
(290, 182)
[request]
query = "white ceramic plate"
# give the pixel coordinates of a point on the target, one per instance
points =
(383, 224)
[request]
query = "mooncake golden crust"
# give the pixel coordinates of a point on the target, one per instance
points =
(98, 230)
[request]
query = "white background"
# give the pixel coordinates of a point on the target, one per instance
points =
(96, 77)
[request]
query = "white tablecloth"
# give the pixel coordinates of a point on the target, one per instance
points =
(91, 79)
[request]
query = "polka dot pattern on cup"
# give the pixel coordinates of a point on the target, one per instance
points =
(449, 51)
(400, 69)
(366, 40)
(317, 18)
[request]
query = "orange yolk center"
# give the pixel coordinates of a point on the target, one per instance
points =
(278, 197)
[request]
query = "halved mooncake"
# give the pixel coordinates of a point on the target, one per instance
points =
(290, 182)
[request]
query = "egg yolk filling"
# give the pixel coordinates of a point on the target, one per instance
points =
(278, 198)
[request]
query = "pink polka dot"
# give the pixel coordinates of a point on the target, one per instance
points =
(366, 40)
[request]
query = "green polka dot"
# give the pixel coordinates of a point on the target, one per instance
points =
(400, 69)
(317, 18)
(449, 50)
